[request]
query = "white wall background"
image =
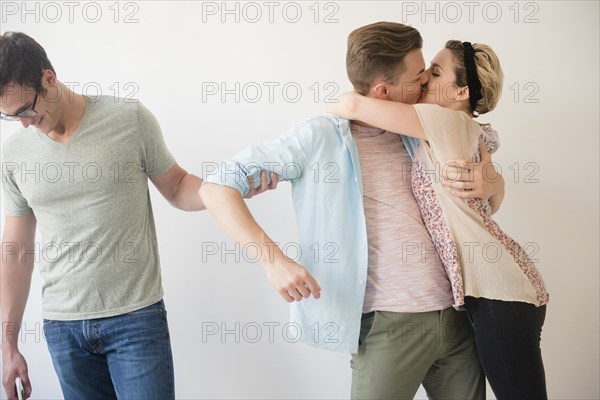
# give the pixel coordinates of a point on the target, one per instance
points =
(170, 53)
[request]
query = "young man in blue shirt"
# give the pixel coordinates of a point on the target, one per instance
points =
(407, 333)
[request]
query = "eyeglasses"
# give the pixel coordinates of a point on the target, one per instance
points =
(28, 113)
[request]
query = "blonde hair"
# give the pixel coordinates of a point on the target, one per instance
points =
(489, 73)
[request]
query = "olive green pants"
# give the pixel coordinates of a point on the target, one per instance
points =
(400, 351)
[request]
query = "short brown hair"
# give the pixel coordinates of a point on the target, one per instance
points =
(377, 51)
(489, 73)
(22, 60)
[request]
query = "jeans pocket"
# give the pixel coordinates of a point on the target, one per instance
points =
(149, 321)
(156, 308)
(52, 330)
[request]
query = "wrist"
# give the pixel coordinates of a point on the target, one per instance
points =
(9, 346)
(271, 254)
(10, 337)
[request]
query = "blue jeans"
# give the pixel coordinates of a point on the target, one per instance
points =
(507, 335)
(127, 356)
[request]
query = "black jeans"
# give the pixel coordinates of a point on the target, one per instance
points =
(507, 335)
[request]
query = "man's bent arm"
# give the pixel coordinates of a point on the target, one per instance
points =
(287, 158)
(292, 281)
(181, 189)
(16, 268)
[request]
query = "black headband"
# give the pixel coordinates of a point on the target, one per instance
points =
(472, 79)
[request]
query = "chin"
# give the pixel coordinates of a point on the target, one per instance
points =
(43, 129)
(40, 125)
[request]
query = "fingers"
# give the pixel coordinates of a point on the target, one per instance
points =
(459, 185)
(264, 185)
(459, 170)
(286, 296)
(458, 163)
(291, 295)
(251, 190)
(26, 385)
(463, 190)
(465, 194)
(300, 286)
(11, 388)
(8, 381)
(14, 365)
(274, 181)
(313, 286)
(459, 174)
(299, 289)
(303, 290)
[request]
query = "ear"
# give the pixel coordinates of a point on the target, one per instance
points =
(380, 91)
(462, 94)
(48, 78)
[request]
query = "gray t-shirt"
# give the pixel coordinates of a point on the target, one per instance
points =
(98, 255)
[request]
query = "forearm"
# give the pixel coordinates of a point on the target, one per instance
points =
(228, 208)
(385, 114)
(15, 283)
(187, 197)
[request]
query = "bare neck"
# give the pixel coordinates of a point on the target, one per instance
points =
(70, 113)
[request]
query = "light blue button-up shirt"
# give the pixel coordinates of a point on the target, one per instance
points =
(320, 159)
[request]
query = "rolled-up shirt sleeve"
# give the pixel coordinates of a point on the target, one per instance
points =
(287, 156)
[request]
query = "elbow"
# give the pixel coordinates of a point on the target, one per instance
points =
(174, 194)
(174, 200)
(213, 194)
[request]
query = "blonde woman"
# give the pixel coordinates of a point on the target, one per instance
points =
(501, 290)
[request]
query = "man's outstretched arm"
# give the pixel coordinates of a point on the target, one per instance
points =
(180, 188)
(291, 280)
(176, 185)
(16, 268)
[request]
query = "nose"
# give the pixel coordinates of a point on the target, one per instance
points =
(424, 78)
(25, 121)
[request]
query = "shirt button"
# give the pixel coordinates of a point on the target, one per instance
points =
(361, 282)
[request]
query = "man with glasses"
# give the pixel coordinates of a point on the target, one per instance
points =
(79, 170)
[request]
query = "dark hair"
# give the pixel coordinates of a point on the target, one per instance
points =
(377, 51)
(22, 60)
